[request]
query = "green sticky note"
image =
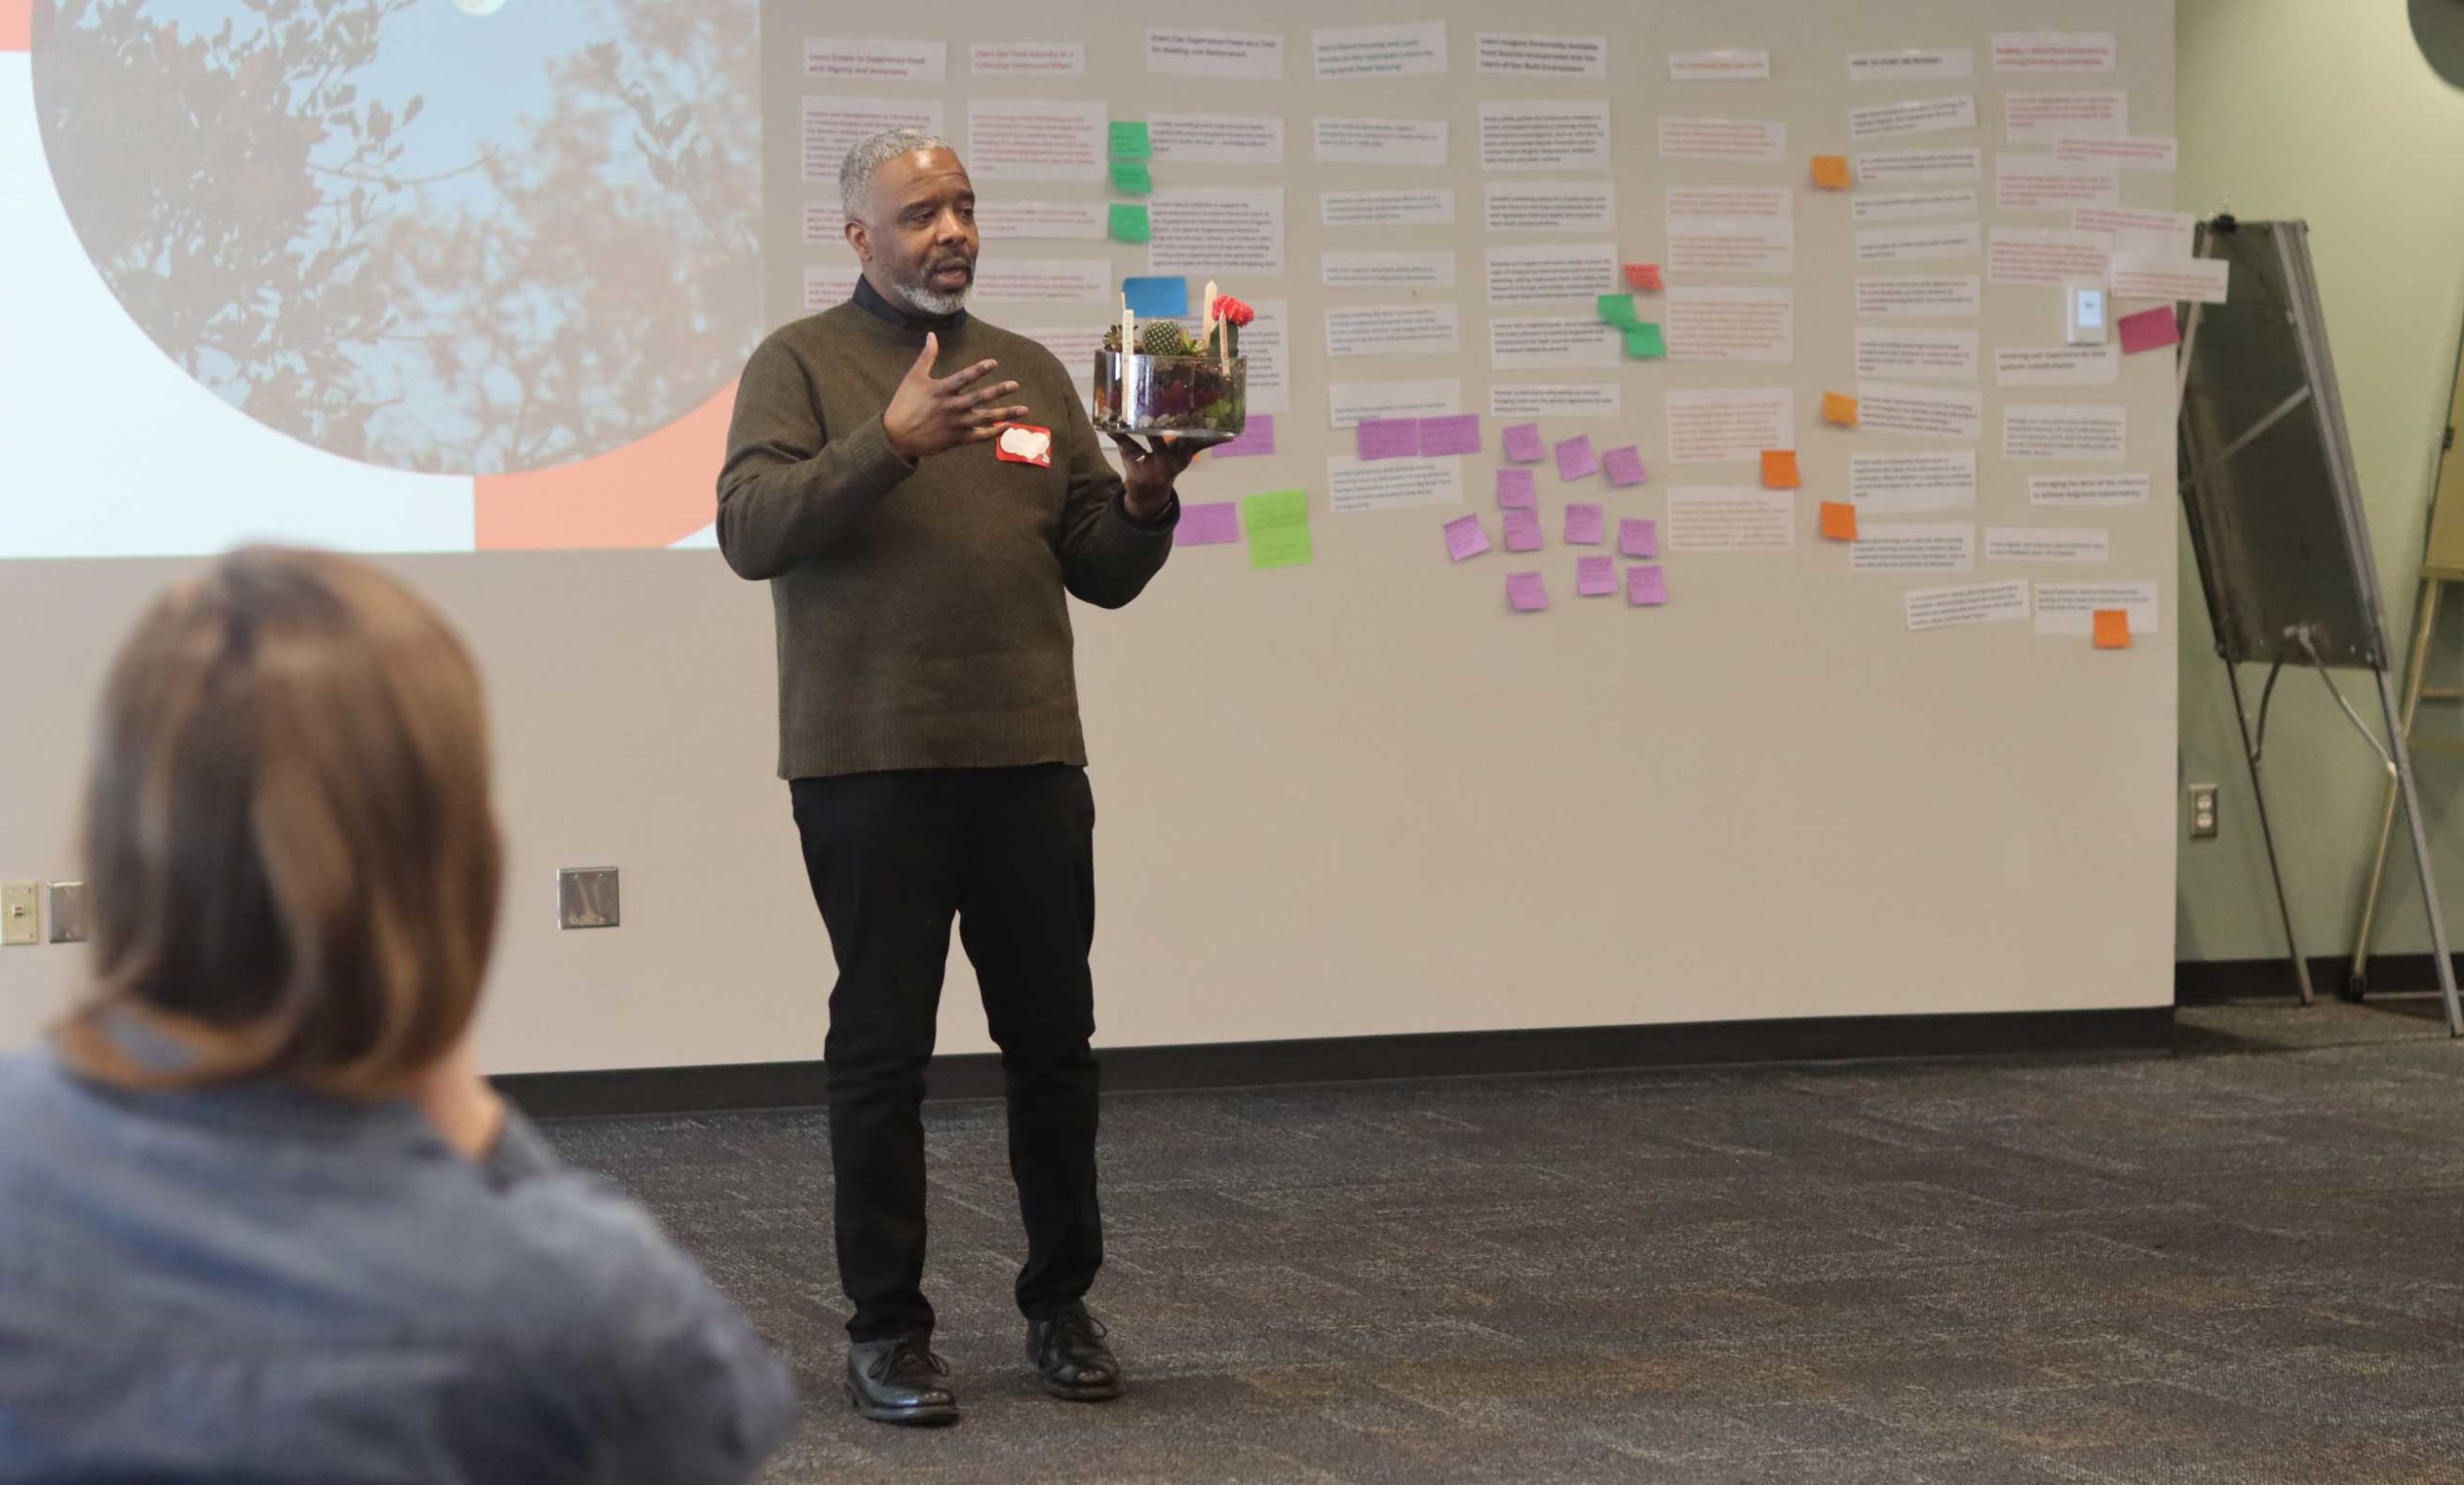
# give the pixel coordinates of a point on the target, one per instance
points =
(1130, 178)
(1617, 309)
(1281, 546)
(1130, 141)
(1129, 222)
(1643, 342)
(1274, 508)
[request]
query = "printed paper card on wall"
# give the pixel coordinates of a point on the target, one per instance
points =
(1507, 54)
(1031, 139)
(1551, 344)
(1216, 139)
(1400, 142)
(1352, 53)
(1731, 324)
(1549, 205)
(1544, 135)
(1218, 231)
(1912, 65)
(1522, 275)
(876, 61)
(1252, 56)
(1738, 140)
(1385, 208)
(1730, 425)
(2069, 608)
(1355, 485)
(1027, 58)
(833, 126)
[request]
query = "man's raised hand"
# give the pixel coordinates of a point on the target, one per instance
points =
(928, 415)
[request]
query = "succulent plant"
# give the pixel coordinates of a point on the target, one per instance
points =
(1162, 338)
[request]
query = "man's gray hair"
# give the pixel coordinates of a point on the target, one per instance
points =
(864, 160)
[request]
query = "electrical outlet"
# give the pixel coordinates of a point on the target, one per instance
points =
(2203, 811)
(586, 897)
(67, 910)
(20, 912)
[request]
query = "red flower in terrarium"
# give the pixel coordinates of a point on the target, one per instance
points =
(1231, 309)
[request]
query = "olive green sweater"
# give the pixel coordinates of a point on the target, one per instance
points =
(920, 608)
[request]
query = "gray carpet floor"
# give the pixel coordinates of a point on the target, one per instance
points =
(2241, 1262)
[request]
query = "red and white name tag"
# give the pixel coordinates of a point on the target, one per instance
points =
(1023, 442)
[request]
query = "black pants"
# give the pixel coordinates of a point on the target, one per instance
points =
(892, 857)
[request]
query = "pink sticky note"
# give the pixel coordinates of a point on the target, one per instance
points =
(1523, 531)
(1208, 525)
(2150, 329)
(1638, 538)
(1575, 458)
(1525, 591)
(1388, 438)
(1257, 437)
(1456, 433)
(1523, 443)
(1464, 538)
(1646, 587)
(1595, 577)
(1624, 466)
(1583, 526)
(1516, 487)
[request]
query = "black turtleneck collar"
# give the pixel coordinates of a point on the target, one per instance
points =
(904, 316)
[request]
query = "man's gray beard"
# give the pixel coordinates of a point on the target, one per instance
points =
(924, 298)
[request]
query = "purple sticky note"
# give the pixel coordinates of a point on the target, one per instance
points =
(1523, 443)
(1456, 433)
(1623, 465)
(1464, 538)
(1646, 587)
(1525, 591)
(1208, 525)
(1257, 436)
(1575, 458)
(1637, 538)
(1595, 577)
(1523, 531)
(1389, 438)
(1583, 526)
(1517, 490)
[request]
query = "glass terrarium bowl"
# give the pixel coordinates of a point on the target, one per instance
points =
(1199, 399)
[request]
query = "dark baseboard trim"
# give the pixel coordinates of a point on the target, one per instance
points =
(2223, 981)
(737, 1085)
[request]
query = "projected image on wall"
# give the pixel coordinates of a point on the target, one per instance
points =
(511, 246)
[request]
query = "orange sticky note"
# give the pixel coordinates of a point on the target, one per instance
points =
(1779, 469)
(2112, 628)
(1839, 408)
(1830, 172)
(1838, 520)
(1644, 276)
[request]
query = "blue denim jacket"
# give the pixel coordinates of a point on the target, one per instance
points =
(254, 1283)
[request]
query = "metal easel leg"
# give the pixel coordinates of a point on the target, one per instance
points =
(2259, 793)
(2426, 619)
(2400, 750)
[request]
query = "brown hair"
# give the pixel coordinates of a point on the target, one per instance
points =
(292, 855)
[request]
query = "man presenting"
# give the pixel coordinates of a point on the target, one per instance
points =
(928, 719)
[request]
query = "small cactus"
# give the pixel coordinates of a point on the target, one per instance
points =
(1162, 338)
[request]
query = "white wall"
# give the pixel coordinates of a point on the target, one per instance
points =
(1361, 798)
(2294, 107)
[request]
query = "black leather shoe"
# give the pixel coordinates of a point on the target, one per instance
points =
(900, 1381)
(1070, 1358)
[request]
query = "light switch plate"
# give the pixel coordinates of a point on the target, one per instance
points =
(67, 907)
(20, 912)
(587, 897)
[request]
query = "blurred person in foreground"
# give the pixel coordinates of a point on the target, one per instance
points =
(260, 1219)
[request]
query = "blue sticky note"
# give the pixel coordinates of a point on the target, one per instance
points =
(1157, 298)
